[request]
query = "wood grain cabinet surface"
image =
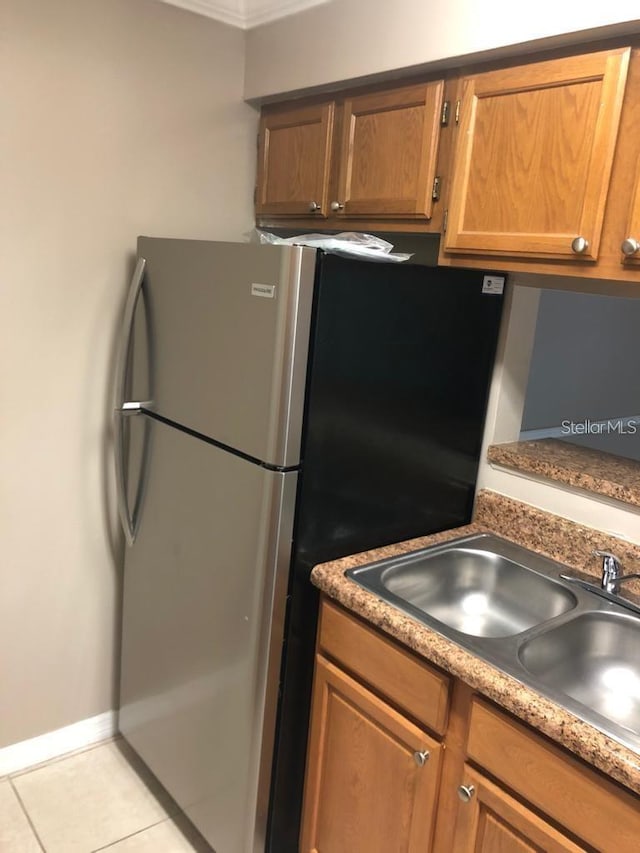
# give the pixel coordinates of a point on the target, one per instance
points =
(546, 168)
(553, 782)
(535, 169)
(369, 156)
(388, 153)
(490, 784)
(630, 245)
(372, 778)
(494, 822)
(533, 158)
(294, 159)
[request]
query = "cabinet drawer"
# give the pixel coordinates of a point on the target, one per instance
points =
(407, 681)
(588, 805)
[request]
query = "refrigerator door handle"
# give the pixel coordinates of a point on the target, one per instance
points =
(127, 522)
(126, 332)
(123, 407)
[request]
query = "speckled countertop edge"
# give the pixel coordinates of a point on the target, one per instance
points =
(581, 467)
(593, 746)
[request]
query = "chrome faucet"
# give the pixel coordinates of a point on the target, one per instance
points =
(612, 575)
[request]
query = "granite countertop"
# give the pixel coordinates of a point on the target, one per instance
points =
(581, 467)
(553, 536)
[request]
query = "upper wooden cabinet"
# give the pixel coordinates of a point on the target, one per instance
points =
(630, 245)
(534, 152)
(537, 169)
(294, 158)
(372, 156)
(388, 153)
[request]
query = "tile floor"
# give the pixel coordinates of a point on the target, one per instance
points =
(100, 799)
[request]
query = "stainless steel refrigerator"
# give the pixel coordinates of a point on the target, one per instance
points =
(276, 407)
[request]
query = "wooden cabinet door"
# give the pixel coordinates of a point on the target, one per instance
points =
(365, 792)
(389, 151)
(493, 822)
(630, 245)
(554, 782)
(534, 151)
(294, 161)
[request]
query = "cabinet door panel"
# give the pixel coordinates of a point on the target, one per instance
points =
(294, 160)
(365, 793)
(631, 238)
(389, 152)
(493, 822)
(561, 786)
(534, 154)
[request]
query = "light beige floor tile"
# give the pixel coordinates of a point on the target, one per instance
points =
(16, 836)
(90, 800)
(171, 836)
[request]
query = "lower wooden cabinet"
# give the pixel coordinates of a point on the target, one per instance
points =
(372, 778)
(552, 782)
(491, 821)
(402, 758)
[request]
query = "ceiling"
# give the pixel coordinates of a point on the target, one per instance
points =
(245, 13)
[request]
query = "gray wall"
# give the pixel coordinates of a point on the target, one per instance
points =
(585, 365)
(119, 117)
(346, 39)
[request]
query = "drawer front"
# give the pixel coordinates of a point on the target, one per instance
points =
(403, 678)
(596, 810)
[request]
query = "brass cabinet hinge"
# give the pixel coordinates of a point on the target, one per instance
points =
(445, 218)
(458, 104)
(435, 192)
(444, 115)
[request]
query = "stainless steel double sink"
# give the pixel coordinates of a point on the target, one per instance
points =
(511, 607)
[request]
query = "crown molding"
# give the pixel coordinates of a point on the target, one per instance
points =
(227, 13)
(263, 11)
(245, 14)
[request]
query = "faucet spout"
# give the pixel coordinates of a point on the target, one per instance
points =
(611, 571)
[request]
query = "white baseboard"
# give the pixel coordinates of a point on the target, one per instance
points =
(28, 753)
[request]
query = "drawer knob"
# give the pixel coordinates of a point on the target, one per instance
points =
(629, 247)
(466, 792)
(336, 206)
(421, 757)
(313, 206)
(579, 245)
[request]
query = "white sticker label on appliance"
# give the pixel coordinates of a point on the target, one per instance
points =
(493, 284)
(266, 290)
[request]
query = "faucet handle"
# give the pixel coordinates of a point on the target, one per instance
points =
(598, 553)
(611, 570)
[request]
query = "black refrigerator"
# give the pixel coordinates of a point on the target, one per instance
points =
(276, 407)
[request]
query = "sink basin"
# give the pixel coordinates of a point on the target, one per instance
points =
(519, 611)
(479, 587)
(593, 658)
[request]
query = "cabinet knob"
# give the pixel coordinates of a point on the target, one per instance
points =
(466, 792)
(313, 206)
(579, 245)
(421, 757)
(336, 205)
(629, 247)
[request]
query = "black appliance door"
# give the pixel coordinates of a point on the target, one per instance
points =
(401, 364)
